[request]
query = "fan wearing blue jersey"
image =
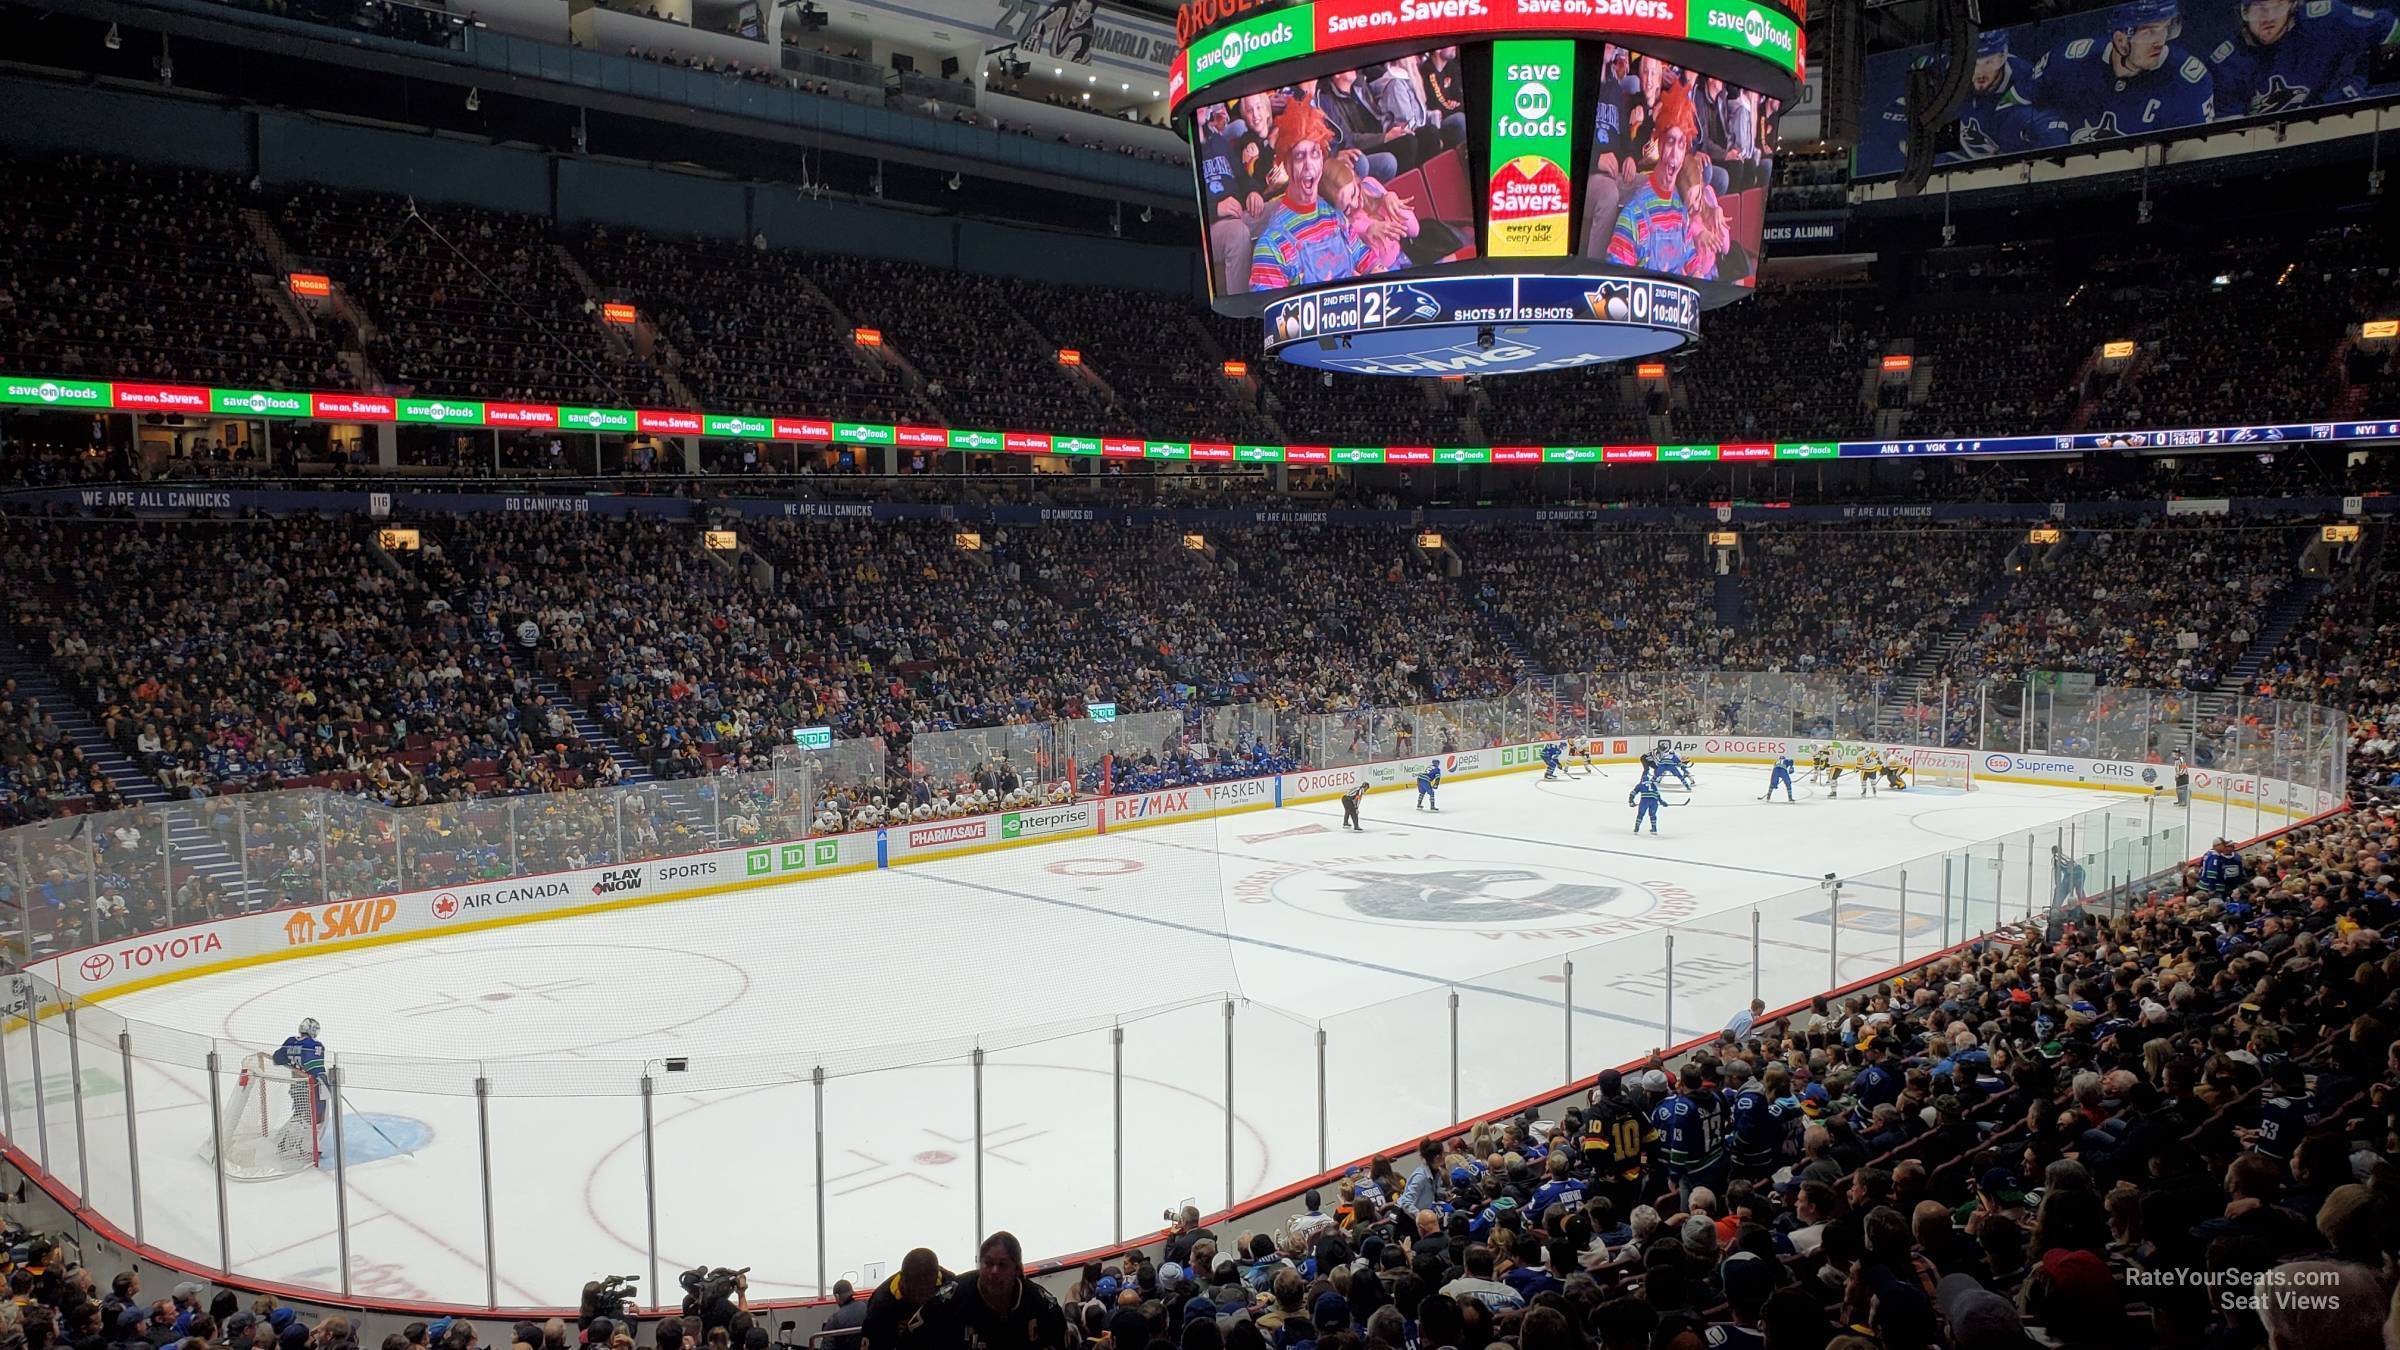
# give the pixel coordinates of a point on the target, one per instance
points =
(1429, 781)
(2290, 55)
(1781, 777)
(2138, 81)
(1550, 757)
(1691, 1136)
(1645, 802)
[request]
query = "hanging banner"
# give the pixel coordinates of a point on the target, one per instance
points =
(1533, 89)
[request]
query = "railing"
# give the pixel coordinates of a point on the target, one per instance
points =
(1142, 1055)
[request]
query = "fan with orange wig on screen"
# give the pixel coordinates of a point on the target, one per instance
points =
(1306, 239)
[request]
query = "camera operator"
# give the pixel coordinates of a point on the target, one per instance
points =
(996, 1308)
(605, 1299)
(714, 1297)
(1182, 1231)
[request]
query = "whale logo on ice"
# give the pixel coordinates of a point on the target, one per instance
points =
(1471, 895)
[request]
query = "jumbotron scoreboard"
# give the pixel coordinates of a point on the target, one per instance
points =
(1438, 187)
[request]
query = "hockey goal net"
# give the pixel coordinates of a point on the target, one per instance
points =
(271, 1126)
(1930, 768)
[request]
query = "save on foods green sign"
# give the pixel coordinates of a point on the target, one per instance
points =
(1533, 90)
(1271, 37)
(1767, 34)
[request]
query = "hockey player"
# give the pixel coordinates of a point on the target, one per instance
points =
(304, 1055)
(1645, 801)
(2137, 82)
(1350, 801)
(1833, 772)
(1671, 763)
(1820, 765)
(1429, 782)
(1551, 754)
(1895, 774)
(1780, 777)
(1583, 755)
(1870, 771)
(2298, 53)
(2000, 116)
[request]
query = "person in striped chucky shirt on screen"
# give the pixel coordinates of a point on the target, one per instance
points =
(1306, 237)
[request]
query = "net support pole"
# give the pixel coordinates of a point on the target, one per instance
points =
(1755, 951)
(341, 1177)
(2029, 878)
(1946, 901)
(8, 1113)
(2150, 836)
(1566, 1007)
(650, 1171)
(41, 1101)
(1833, 940)
(1667, 1018)
(83, 1155)
(1229, 1196)
(133, 1130)
(1322, 1164)
(216, 1134)
(1454, 1056)
(978, 1088)
(816, 1080)
(1116, 1106)
(483, 1151)
(1904, 915)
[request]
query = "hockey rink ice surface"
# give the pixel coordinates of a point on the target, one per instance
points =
(889, 979)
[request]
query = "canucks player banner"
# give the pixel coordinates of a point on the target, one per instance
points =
(2141, 69)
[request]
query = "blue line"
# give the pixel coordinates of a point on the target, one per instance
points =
(1291, 950)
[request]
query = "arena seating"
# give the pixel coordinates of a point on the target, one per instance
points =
(113, 271)
(465, 301)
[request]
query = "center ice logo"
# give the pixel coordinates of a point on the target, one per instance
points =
(1448, 892)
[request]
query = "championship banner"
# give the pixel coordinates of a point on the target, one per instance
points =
(1533, 89)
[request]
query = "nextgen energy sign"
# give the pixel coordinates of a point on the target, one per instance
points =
(1254, 42)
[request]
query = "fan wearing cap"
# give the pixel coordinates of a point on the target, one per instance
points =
(1306, 238)
(1664, 225)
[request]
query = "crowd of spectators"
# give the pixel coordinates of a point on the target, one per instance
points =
(480, 304)
(466, 301)
(40, 769)
(1598, 599)
(115, 271)
(2167, 602)
(1863, 600)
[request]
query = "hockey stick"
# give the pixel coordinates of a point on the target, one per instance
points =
(355, 1114)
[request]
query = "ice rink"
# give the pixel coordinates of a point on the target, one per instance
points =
(889, 980)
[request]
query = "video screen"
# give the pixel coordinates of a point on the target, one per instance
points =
(1344, 175)
(1680, 167)
(2140, 69)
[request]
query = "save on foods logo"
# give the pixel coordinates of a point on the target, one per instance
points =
(1272, 37)
(768, 862)
(1751, 27)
